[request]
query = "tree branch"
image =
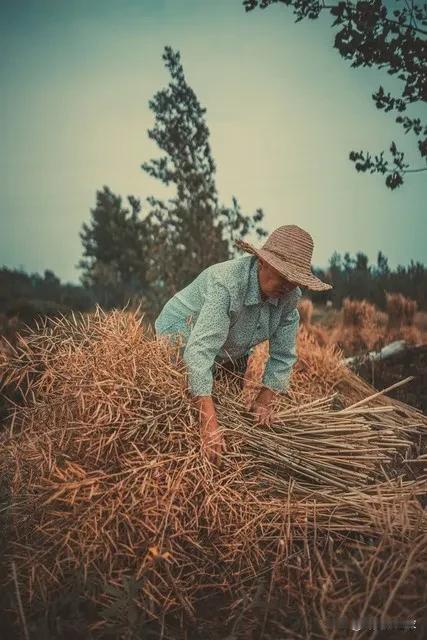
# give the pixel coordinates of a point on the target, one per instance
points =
(388, 20)
(415, 170)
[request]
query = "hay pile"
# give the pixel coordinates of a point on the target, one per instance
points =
(400, 310)
(401, 313)
(361, 327)
(364, 328)
(305, 308)
(291, 532)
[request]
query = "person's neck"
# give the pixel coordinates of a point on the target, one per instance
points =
(263, 295)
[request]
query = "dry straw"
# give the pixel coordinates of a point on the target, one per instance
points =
(107, 477)
(360, 328)
(319, 333)
(305, 308)
(400, 309)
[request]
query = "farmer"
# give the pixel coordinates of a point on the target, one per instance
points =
(232, 306)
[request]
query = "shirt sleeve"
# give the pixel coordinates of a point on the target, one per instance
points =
(283, 354)
(208, 335)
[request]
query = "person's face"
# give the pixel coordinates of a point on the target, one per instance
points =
(272, 283)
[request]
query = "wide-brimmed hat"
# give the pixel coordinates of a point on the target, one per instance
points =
(289, 250)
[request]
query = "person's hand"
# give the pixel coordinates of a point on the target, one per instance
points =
(212, 438)
(262, 407)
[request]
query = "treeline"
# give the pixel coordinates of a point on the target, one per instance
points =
(353, 277)
(25, 296)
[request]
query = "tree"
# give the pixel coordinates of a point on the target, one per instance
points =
(361, 262)
(335, 276)
(191, 230)
(390, 35)
(382, 268)
(348, 263)
(114, 248)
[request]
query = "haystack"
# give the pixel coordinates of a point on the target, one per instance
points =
(319, 333)
(288, 536)
(400, 309)
(305, 308)
(401, 313)
(360, 328)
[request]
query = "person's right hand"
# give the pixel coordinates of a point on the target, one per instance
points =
(212, 441)
(212, 438)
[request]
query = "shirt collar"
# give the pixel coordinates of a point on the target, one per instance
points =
(253, 292)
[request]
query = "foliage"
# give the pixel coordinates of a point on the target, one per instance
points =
(26, 296)
(354, 277)
(386, 35)
(192, 230)
(115, 260)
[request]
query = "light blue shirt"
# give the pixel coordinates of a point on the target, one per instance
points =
(221, 315)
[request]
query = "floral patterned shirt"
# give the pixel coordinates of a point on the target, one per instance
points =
(221, 315)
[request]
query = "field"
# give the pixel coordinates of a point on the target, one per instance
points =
(115, 526)
(374, 332)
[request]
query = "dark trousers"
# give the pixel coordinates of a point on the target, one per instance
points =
(232, 369)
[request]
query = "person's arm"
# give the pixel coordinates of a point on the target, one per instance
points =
(278, 369)
(207, 337)
(212, 439)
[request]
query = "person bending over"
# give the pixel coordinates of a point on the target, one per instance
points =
(234, 305)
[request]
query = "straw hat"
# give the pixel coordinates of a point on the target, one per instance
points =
(289, 250)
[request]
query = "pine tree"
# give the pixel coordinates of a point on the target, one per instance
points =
(191, 230)
(114, 248)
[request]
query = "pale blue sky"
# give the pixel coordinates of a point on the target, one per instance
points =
(283, 109)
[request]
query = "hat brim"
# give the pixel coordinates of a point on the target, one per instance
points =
(290, 271)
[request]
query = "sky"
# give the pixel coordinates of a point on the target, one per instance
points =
(283, 109)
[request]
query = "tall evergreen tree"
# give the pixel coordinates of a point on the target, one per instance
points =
(191, 230)
(114, 265)
(382, 268)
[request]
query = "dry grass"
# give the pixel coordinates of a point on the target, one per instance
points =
(107, 477)
(357, 313)
(8, 330)
(305, 308)
(360, 328)
(410, 334)
(420, 321)
(364, 328)
(400, 310)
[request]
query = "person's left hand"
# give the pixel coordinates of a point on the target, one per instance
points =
(262, 407)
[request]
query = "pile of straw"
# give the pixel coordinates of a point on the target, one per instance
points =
(305, 308)
(357, 313)
(400, 309)
(107, 480)
(360, 328)
(401, 319)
